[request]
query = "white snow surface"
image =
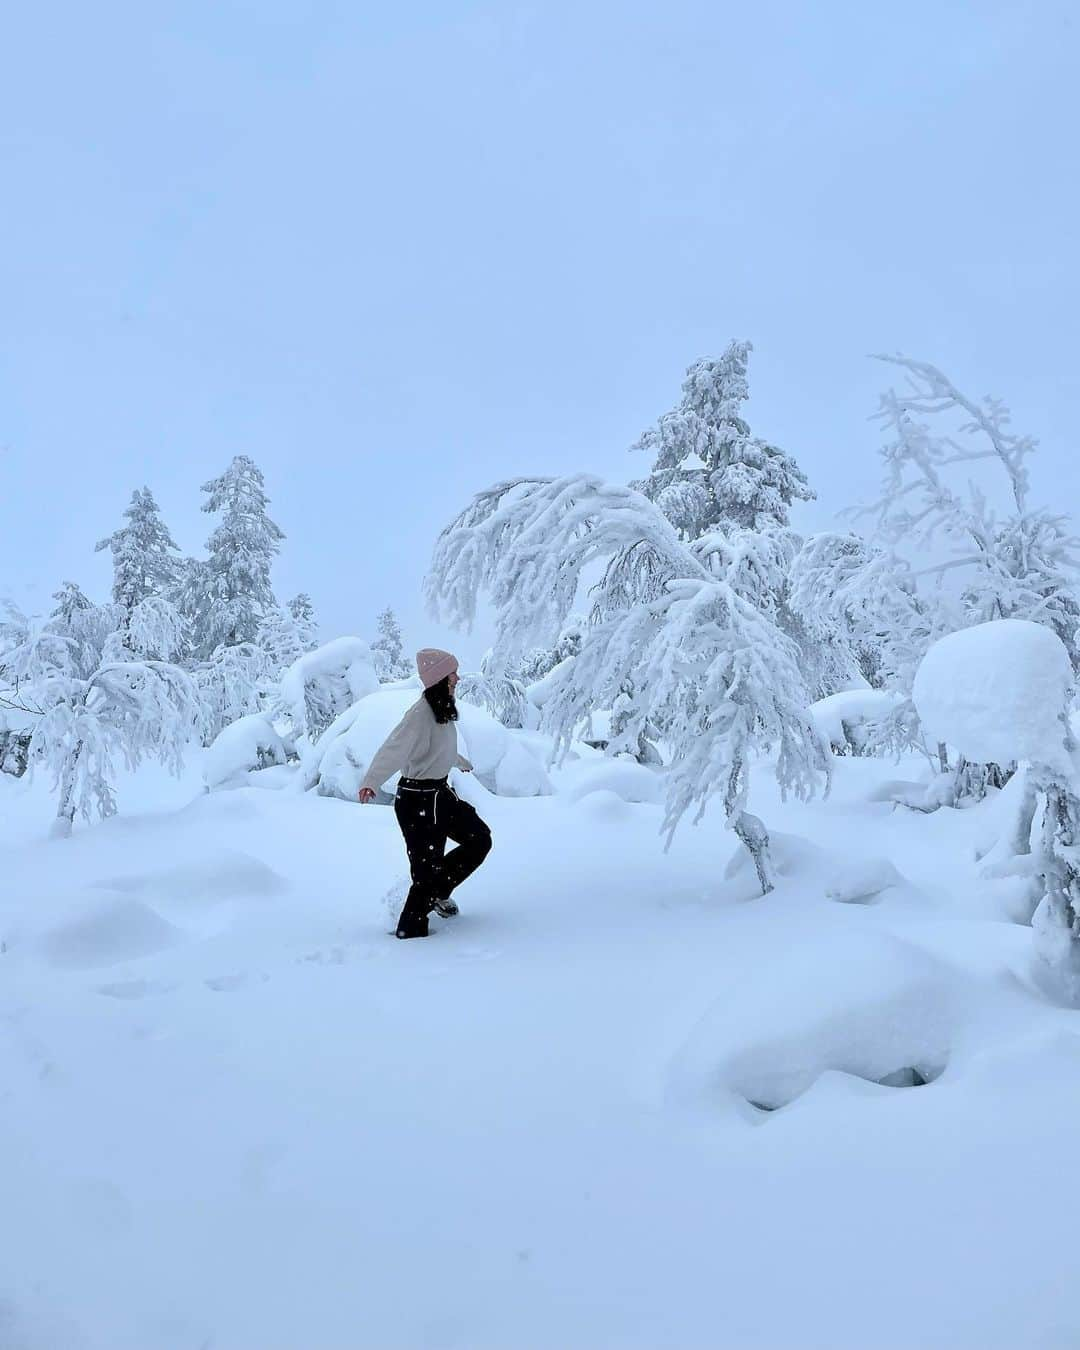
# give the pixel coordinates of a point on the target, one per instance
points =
(997, 692)
(621, 1101)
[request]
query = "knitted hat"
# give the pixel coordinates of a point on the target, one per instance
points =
(434, 665)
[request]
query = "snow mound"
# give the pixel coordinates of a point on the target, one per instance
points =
(520, 774)
(338, 761)
(997, 692)
(119, 929)
(877, 1008)
(605, 807)
(626, 779)
(862, 879)
(790, 853)
(219, 876)
(244, 745)
(840, 718)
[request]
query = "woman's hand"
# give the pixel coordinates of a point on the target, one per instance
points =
(366, 795)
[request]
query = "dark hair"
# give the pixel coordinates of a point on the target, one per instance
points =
(441, 701)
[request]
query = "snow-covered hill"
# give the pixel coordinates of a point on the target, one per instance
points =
(622, 1101)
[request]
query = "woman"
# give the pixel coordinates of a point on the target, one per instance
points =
(423, 746)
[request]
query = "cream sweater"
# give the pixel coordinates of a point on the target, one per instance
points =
(418, 747)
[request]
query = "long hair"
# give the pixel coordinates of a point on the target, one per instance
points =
(441, 701)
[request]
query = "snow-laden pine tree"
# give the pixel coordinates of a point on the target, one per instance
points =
(388, 648)
(87, 711)
(706, 663)
(287, 632)
(70, 600)
(302, 608)
(227, 596)
(708, 470)
(145, 556)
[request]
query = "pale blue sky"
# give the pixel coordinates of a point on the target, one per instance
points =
(394, 252)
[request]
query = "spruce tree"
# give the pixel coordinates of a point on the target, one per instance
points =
(302, 609)
(70, 602)
(388, 648)
(709, 472)
(233, 587)
(144, 554)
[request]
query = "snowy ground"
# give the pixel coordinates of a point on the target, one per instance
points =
(236, 1115)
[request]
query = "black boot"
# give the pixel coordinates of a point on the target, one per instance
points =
(412, 922)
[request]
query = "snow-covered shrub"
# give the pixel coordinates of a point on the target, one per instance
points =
(711, 669)
(244, 745)
(324, 683)
(999, 692)
(846, 719)
(14, 747)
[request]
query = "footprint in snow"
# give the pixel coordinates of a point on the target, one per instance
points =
(229, 984)
(132, 989)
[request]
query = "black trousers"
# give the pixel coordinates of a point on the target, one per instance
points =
(429, 813)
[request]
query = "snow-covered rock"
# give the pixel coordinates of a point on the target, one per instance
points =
(840, 718)
(997, 692)
(862, 879)
(248, 743)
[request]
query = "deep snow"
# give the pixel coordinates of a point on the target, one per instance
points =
(622, 1101)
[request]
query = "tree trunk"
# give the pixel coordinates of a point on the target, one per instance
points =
(65, 810)
(755, 836)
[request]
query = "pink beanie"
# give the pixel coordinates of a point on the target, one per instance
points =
(434, 665)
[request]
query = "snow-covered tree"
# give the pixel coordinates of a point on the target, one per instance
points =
(852, 593)
(283, 638)
(1020, 565)
(973, 566)
(707, 664)
(708, 470)
(388, 648)
(231, 683)
(144, 554)
(227, 596)
(302, 608)
(502, 695)
(83, 723)
(70, 601)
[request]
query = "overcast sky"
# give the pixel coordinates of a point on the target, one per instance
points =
(394, 252)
